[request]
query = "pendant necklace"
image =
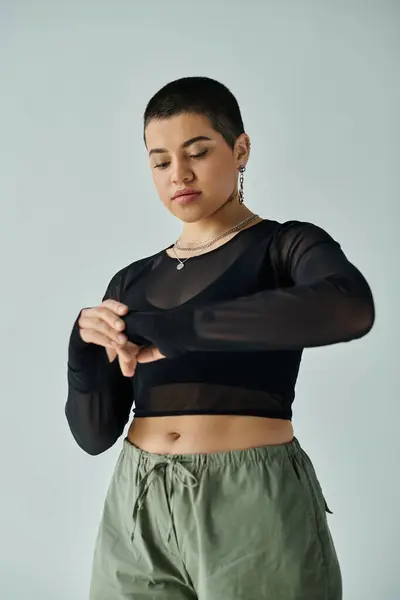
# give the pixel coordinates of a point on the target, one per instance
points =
(203, 246)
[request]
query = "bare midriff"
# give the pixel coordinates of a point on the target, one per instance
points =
(198, 434)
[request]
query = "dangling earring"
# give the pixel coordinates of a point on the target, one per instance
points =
(241, 182)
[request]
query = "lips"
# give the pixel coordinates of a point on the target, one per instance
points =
(185, 192)
(185, 196)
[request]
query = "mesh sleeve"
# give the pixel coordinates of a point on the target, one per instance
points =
(324, 300)
(99, 397)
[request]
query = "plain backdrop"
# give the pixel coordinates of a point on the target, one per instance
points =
(318, 85)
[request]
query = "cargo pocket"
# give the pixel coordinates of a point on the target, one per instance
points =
(327, 509)
(298, 476)
(313, 482)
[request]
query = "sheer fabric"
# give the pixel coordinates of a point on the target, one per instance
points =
(233, 324)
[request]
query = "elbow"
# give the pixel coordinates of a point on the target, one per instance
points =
(92, 440)
(357, 307)
(363, 317)
(370, 316)
(95, 445)
(98, 446)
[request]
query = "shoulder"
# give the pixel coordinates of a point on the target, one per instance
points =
(135, 267)
(127, 274)
(295, 234)
(293, 242)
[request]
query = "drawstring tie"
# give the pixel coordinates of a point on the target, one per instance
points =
(172, 467)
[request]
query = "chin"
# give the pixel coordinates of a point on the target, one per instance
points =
(193, 213)
(189, 214)
(191, 218)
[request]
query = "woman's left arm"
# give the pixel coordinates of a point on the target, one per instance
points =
(326, 301)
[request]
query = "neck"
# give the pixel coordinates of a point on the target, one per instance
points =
(222, 220)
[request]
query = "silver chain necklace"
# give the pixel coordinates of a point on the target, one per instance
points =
(203, 246)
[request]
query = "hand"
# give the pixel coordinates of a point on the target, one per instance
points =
(130, 354)
(103, 326)
(147, 355)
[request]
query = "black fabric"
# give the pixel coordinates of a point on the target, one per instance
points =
(232, 323)
(99, 397)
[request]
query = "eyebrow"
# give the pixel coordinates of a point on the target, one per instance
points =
(199, 138)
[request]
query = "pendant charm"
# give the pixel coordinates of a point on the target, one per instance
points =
(180, 266)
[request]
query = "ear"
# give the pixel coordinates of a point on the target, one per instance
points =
(242, 150)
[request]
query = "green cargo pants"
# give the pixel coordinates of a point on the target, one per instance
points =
(238, 525)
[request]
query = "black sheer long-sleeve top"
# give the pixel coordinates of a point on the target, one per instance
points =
(233, 324)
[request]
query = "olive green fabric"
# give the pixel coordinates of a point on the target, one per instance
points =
(248, 525)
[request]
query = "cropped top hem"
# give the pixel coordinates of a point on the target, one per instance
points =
(285, 415)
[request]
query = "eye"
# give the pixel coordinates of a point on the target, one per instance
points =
(163, 165)
(199, 155)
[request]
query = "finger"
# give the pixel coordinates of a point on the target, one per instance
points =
(127, 367)
(127, 358)
(147, 355)
(128, 351)
(92, 336)
(107, 312)
(118, 307)
(112, 354)
(105, 322)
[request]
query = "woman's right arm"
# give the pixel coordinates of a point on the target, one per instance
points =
(99, 397)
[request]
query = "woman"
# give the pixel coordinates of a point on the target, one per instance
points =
(212, 496)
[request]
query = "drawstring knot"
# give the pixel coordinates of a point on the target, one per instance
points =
(174, 468)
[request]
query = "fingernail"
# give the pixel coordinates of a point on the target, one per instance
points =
(121, 338)
(122, 309)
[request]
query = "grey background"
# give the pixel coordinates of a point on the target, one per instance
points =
(319, 89)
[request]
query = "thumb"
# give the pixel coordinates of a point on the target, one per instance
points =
(127, 359)
(147, 355)
(128, 352)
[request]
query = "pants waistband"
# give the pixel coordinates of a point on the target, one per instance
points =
(217, 459)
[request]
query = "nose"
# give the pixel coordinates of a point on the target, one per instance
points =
(180, 173)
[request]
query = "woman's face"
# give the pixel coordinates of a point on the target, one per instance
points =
(185, 152)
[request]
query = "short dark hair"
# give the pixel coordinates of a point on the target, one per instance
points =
(202, 96)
